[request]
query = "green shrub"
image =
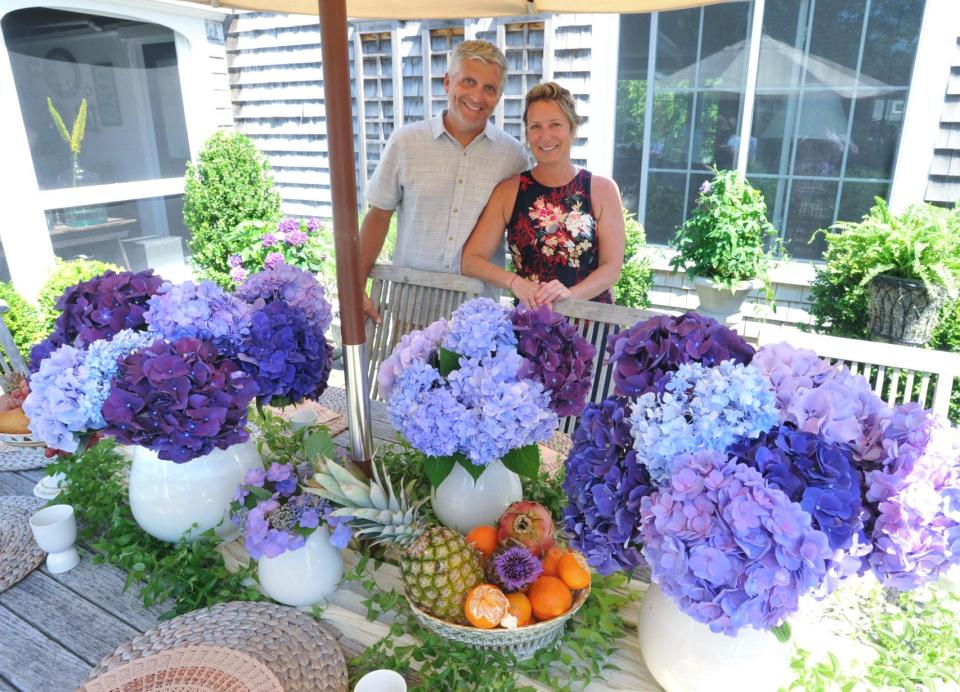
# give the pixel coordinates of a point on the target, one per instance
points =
(22, 319)
(636, 278)
(66, 274)
(229, 183)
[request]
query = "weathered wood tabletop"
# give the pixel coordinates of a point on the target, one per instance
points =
(55, 628)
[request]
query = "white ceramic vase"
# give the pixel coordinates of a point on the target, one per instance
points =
(168, 498)
(303, 576)
(683, 654)
(462, 504)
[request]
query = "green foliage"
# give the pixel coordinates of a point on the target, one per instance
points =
(229, 183)
(727, 234)
(822, 676)
(22, 319)
(315, 256)
(66, 274)
(636, 278)
(922, 243)
(589, 640)
(192, 574)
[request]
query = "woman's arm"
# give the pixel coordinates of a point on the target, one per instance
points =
(487, 237)
(611, 238)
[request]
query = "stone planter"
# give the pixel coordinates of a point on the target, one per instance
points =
(720, 303)
(902, 311)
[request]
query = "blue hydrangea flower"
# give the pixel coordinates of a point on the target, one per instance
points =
(200, 311)
(478, 328)
(53, 405)
(101, 364)
(294, 286)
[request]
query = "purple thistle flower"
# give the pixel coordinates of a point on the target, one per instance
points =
(516, 568)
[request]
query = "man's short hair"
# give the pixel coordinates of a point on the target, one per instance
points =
(478, 50)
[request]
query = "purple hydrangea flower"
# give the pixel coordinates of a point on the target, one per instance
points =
(295, 238)
(288, 225)
(274, 260)
(731, 550)
(296, 287)
(269, 240)
(235, 261)
(604, 485)
(200, 311)
(181, 400)
(556, 355)
(313, 224)
(418, 345)
(516, 568)
(238, 275)
(53, 404)
(478, 328)
(706, 188)
(646, 352)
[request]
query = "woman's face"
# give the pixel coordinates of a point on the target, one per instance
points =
(548, 132)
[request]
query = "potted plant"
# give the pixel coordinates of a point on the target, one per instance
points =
(746, 481)
(726, 245)
(912, 263)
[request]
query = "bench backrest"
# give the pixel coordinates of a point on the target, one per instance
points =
(898, 374)
(10, 358)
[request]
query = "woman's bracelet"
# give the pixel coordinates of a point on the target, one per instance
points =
(510, 285)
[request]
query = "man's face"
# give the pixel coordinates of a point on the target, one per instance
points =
(472, 94)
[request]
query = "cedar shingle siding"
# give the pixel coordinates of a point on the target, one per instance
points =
(944, 184)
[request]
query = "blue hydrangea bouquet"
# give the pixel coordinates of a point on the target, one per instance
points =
(488, 384)
(174, 367)
(745, 479)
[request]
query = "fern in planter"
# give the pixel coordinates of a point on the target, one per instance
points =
(728, 237)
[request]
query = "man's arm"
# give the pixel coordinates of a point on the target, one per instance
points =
(373, 231)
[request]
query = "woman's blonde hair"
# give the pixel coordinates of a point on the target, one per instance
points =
(478, 50)
(551, 91)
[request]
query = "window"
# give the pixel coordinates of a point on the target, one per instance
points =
(377, 84)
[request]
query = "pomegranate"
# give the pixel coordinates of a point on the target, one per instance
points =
(528, 523)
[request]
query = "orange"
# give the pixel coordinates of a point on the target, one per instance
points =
(484, 539)
(574, 571)
(520, 608)
(549, 597)
(551, 559)
(485, 606)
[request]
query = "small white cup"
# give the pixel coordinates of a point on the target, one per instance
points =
(301, 418)
(381, 681)
(55, 530)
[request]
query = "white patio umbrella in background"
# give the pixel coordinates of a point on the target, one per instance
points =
(336, 83)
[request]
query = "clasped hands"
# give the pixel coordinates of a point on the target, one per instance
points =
(533, 294)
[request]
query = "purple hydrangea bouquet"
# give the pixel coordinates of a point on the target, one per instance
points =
(745, 479)
(488, 384)
(174, 367)
(302, 243)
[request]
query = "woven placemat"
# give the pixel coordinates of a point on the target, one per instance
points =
(335, 422)
(189, 668)
(300, 652)
(19, 553)
(21, 458)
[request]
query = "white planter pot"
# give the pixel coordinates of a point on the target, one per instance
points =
(720, 303)
(303, 576)
(683, 654)
(461, 504)
(168, 498)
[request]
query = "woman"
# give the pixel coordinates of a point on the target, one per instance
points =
(564, 225)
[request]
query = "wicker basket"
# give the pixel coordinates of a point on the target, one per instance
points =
(522, 642)
(20, 440)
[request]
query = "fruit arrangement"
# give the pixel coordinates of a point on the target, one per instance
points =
(505, 577)
(13, 421)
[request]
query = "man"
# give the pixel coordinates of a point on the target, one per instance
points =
(438, 174)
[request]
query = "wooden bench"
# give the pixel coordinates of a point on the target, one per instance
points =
(898, 374)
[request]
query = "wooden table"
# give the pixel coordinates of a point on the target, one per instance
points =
(55, 628)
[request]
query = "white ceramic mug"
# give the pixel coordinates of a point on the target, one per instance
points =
(55, 530)
(381, 681)
(303, 417)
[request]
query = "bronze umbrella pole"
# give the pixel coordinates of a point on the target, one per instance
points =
(343, 191)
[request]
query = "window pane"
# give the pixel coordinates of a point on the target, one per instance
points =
(772, 118)
(670, 143)
(821, 133)
(857, 198)
(811, 208)
(715, 137)
(631, 106)
(124, 71)
(723, 53)
(781, 48)
(835, 42)
(677, 41)
(769, 187)
(664, 206)
(892, 36)
(876, 131)
(138, 234)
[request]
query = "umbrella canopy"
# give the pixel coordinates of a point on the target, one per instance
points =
(343, 190)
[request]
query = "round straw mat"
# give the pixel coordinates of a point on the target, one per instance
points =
(19, 554)
(301, 653)
(21, 458)
(189, 669)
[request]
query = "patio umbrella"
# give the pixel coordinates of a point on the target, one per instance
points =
(336, 82)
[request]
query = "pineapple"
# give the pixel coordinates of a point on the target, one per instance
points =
(437, 564)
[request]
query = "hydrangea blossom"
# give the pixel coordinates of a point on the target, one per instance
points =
(415, 346)
(238, 275)
(296, 238)
(268, 240)
(235, 261)
(915, 499)
(789, 369)
(53, 405)
(427, 414)
(296, 287)
(274, 260)
(101, 364)
(478, 328)
(201, 311)
(556, 355)
(643, 355)
(700, 408)
(604, 485)
(731, 550)
(313, 224)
